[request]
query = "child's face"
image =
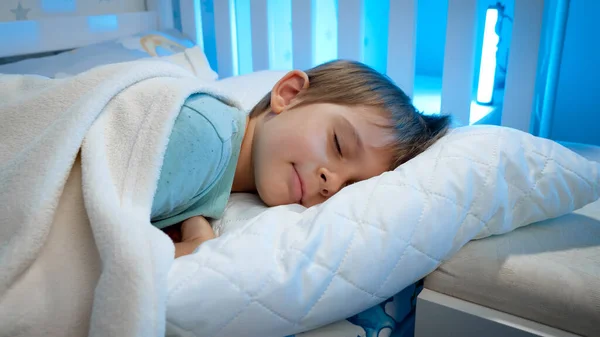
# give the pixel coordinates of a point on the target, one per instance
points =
(296, 158)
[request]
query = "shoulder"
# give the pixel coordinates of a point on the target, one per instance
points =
(210, 115)
(200, 144)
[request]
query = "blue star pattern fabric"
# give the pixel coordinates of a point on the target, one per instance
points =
(20, 12)
(393, 317)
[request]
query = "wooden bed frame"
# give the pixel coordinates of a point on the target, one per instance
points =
(211, 23)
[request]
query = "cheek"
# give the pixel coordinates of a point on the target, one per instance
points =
(299, 143)
(310, 148)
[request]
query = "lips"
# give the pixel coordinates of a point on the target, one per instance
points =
(298, 191)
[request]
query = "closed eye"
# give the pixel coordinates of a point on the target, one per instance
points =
(337, 144)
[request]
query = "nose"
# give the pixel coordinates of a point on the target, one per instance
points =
(329, 183)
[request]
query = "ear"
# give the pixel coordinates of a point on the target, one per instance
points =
(286, 89)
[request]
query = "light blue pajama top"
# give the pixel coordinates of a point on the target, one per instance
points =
(200, 161)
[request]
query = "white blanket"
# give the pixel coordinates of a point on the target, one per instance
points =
(78, 255)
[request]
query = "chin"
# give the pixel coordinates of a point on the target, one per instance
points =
(272, 190)
(272, 203)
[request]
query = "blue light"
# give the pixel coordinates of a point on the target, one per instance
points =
(325, 34)
(376, 21)
(103, 23)
(208, 33)
(487, 69)
(244, 36)
(199, 38)
(18, 35)
(234, 39)
(58, 6)
(177, 15)
(279, 13)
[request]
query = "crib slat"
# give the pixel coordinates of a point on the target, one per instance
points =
(402, 40)
(260, 35)
(459, 57)
(522, 65)
(191, 24)
(302, 34)
(68, 32)
(223, 38)
(164, 12)
(350, 29)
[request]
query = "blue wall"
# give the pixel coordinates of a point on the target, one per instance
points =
(577, 107)
(431, 35)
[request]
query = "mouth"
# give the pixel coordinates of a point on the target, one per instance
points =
(298, 189)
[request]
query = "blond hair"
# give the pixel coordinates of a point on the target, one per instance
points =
(351, 83)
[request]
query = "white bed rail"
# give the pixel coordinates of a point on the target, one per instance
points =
(459, 59)
(67, 32)
(260, 35)
(399, 58)
(519, 92)
(164, 12)
(240, 36)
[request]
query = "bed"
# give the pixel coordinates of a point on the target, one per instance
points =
(59, 39)
(538, 280)
(543, 279)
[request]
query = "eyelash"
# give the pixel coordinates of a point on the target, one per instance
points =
(337, 144)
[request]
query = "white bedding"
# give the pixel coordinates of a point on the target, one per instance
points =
(548, 272)
(85, 233)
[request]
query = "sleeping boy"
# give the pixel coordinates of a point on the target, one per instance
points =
(313, 134)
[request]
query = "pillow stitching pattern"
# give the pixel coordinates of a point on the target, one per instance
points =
(347, 249)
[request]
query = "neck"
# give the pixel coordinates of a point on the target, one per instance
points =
(243, 181)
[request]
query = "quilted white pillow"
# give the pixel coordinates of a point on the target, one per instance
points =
(279, 271)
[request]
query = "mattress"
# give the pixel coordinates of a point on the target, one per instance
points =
(547, 272)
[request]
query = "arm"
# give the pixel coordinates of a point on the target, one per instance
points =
(194, 231)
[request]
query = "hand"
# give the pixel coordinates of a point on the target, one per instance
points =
(194, 231)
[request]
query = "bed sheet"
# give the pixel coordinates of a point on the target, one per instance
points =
(547, 272)
(143, 45)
